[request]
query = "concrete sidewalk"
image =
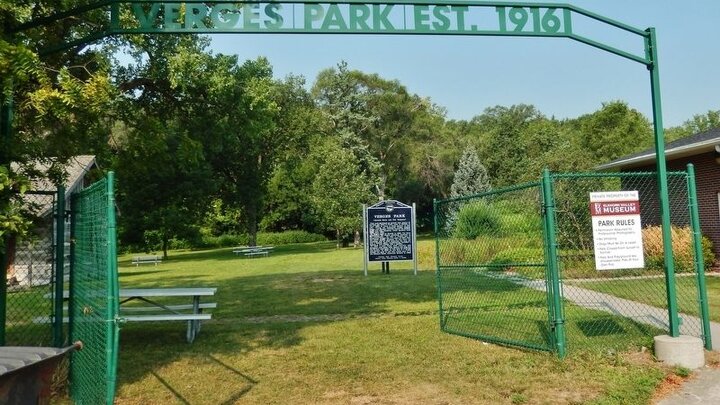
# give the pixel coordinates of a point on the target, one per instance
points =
(703, 388)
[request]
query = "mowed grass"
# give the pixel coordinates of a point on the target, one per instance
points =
(685, 287)
(305, 326)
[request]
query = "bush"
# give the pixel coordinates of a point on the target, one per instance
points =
(477, 219)
(226, 240)
(287, 237)
(682, 246)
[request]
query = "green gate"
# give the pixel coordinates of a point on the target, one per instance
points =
(34, 271)
(516, 266)
(93, 304)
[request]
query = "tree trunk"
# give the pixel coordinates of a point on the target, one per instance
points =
(252, 225)
(338, 242)
(356, 241)
(165, 244)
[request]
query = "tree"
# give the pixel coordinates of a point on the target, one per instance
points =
(58, 103)
(375, 118)
(470, 178)
(499, 141)
(614, 131)
(698, 123)
(339, 189)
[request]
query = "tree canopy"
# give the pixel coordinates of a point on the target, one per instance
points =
(205, 143)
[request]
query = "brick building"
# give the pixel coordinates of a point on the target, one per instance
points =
(703, 151)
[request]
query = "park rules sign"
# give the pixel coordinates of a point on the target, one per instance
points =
(617, 231)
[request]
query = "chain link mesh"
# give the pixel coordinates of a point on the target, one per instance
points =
(637, 295)
(91, 310)
(493, 273)
(31, 276)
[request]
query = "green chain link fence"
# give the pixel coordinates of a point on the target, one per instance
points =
(32, 275)
(93, 304)
(496, 253)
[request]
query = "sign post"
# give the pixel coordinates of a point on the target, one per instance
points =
(617, 231)
(390, 234)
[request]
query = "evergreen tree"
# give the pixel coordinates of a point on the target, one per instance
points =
(470, 178)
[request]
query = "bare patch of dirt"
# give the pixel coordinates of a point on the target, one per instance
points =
(669, 385)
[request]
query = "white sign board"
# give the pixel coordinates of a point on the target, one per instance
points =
(617, 231)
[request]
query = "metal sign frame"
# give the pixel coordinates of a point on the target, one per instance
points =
(386, 208)
(519, 19)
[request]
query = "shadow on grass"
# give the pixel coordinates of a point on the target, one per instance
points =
(226, 254)
(246, 319)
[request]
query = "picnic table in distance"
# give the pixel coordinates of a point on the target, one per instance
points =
(253, 251)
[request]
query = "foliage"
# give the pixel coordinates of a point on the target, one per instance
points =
(339, 189)
(471, 177)
(477, 219)
(698, 123)
(682, 247)
(263, 238)
(288, 237)
(615, 130)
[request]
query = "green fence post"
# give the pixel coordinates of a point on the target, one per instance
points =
(558, 322)
(699, 262)
(438, 279)
(3, 289)
(654, 67)
(112, 287)
(59, 267)
(6, 118)
(71, 281)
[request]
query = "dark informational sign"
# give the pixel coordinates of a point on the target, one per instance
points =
(390, 233)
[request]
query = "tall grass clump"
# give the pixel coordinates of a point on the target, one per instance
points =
(682, 246)
(477, 219)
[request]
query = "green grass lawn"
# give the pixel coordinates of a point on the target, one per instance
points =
(305, 326)
(686, 287)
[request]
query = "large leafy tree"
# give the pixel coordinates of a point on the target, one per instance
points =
(698, 123)
(164, 182)
(613, 131)
(60, 101)
(375, 118)
(338, 189)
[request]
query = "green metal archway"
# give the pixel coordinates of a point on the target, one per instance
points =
(414, 17)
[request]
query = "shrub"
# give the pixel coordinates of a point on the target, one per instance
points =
(477, 219)
(287, 237)
(682, 246)
(226, 240)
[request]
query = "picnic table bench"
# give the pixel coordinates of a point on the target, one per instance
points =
(192, 313)
(158, 312)
(138, 260)
(253, 251)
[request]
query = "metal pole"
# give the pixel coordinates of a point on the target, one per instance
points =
(414, 238)
(112, 293)
(6, 118)
(558, 323)
(3, 287)
(365, 240)
(699, 262)
(59, 266)
(437, 263)
(654, 67)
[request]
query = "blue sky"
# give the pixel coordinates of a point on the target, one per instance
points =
(561, 77)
